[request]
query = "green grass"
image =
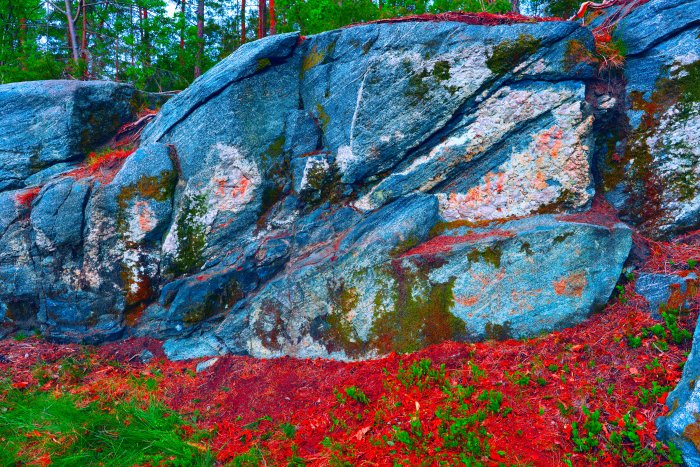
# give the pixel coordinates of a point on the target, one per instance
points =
(71, 432)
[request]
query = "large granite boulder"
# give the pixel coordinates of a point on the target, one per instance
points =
(653, 175)
(367, 190)
(49, 124)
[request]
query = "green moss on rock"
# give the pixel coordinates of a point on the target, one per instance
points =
(506, 55)
(491, 255)
(191, 235)
(214, 303)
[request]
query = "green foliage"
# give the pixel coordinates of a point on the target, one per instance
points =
(145, 43)
(356, 394)
(585, 438)
(563, 8)
(421, 374)
(123, 433)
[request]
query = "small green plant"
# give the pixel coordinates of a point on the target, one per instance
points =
(692, 263)
(20, 336)
(621, 293)
(288, 429)
(634, 342)
(585, 438)
(421, 374)
(656, 391)
(356, 394)
(678, 334)
(493, 400)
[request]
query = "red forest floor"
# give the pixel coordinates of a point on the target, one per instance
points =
(585, 395)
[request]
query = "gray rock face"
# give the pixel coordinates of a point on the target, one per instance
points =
(331, 197)
(680, 425)
(46, 123)
(654, 178)
(657, 288)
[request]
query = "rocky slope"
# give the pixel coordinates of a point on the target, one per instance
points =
(372, 189)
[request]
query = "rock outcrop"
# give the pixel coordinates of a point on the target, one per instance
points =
(373, 189)
(47, 125)
(653, 174)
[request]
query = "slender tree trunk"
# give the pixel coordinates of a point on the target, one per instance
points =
(131, 31)
(273, 20)
(516, 6)
(71, 30)
(200, 38)
(83, 39)
(261, 19)
(182, 32)
(242, 22)
(146, 37)
(116, 60)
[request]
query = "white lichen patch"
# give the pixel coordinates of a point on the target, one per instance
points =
(345, 158)
(232, 180)
(553, 169)
(675, 147)
(226, 187)
(140, 220)
(492, 123)
(315, 165)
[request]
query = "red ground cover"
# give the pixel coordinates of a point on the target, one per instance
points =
(484, 19)
(102, 166)
(288, 408)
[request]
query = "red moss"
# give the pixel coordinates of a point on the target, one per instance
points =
(445, 243)
(601, 213)
(26, 197)
(482, 19)
(102, 166)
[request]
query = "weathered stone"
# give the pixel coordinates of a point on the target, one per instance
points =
(315, 198)
(654, 178)
(205, 365)
(681, 425)
(50, 122)
(657, 288)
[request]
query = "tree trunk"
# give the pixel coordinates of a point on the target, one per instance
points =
(273, 20)
(183, 11)
(200, 38)
(242, 22)
(83, 38)
(516, 6)
(146, 37)
(261, 19)
(71, 30)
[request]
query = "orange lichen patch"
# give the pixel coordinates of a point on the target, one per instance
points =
(133, 315)
(467, 301)
(241, 188)
(572, 285)
(445, 243)
(26, 197)
(102, 166)
(144, 214)
(692, 433)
